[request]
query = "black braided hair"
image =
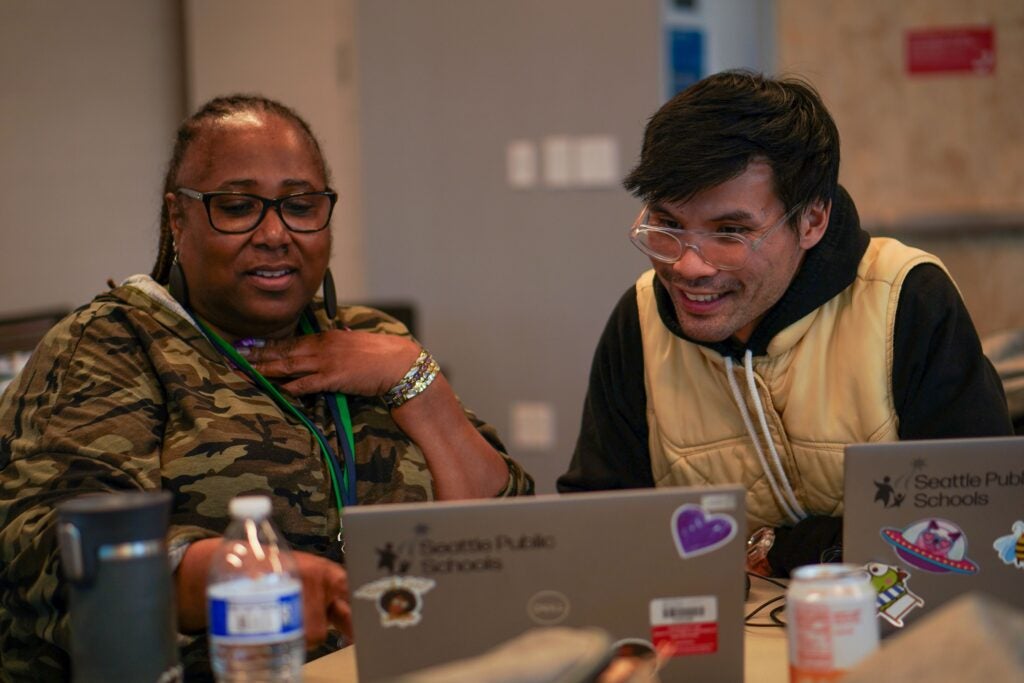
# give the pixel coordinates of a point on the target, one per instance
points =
(189, 131)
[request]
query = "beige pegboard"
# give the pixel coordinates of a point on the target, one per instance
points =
(918, 150)
(935, 160)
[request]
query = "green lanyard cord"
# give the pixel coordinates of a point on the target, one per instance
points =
(340, 405)
(340, 413)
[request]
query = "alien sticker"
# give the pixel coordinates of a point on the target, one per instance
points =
(934, 545)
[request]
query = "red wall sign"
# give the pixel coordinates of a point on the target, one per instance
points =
(951, 50)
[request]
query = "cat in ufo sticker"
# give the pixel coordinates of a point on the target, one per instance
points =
(934, 545)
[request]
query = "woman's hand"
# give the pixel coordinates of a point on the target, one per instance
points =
(324, 592)
(359, 363)
(462, 463)
(325, 598)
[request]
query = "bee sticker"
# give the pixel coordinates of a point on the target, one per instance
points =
(1011, 548)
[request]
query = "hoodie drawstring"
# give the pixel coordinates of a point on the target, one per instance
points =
(786, 498)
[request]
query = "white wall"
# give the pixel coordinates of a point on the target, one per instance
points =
(90, 99)
(738, 33)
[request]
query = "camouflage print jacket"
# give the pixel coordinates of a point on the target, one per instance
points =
(126, 394)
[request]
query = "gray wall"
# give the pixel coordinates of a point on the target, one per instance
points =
(92, 93)
(512, 286)
(306, 60)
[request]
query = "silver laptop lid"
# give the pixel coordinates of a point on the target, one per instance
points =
(437, 582)
(935, 519)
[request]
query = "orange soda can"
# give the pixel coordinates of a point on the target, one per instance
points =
(832, 621)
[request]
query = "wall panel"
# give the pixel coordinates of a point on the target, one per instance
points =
(933, 159)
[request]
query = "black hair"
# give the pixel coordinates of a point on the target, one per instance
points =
(709, 133)
(188, 132)
(404, 593)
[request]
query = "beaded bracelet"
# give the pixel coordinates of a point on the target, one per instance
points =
(419, 377)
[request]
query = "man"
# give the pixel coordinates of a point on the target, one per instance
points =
(772, 330)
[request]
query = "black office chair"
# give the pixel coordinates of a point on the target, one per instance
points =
(23, 332)
(18, 337)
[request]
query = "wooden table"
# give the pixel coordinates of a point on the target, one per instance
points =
(764, 650)
(337, 667)
(765, 658)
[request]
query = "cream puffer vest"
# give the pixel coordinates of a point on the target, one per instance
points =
(826, 381)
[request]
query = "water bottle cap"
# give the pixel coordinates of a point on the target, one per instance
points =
(255, 507)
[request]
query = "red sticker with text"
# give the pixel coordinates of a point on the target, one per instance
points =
(968, 49)
(685, 625)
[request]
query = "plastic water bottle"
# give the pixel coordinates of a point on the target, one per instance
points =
(254, 599)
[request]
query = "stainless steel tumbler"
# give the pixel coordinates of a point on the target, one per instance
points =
(113, 549)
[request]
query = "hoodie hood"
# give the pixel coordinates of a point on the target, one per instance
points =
(829, 267)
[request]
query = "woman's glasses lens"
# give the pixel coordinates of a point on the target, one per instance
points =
(241, 213)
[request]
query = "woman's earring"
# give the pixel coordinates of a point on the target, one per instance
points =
(330, 296)
(176, 284)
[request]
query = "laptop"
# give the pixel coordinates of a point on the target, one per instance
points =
(932, 520)
(658, 569)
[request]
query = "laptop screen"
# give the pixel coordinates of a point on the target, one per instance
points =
(658, 568)
(935, 519)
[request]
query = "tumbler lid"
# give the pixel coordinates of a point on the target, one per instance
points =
(119, 525)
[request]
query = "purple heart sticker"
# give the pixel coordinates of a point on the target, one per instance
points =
(697, 532)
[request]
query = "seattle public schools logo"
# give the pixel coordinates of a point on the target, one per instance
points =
(398, 597)
(892, 492)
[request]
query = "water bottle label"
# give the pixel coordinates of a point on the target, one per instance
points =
(238, 615)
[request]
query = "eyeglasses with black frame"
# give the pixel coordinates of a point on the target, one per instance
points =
(239, 212)
(722, 250)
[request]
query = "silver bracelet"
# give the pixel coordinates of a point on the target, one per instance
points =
(419, 377)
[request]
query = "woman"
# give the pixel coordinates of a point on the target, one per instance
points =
(225, 374)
